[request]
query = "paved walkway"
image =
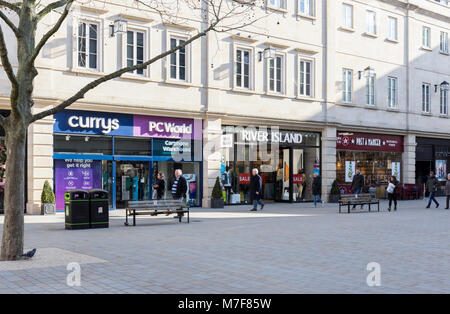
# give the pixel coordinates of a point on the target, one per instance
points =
(287, 248)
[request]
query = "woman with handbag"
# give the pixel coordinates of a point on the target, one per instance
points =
(392, 192)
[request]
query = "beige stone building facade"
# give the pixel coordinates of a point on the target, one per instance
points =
(328, 84)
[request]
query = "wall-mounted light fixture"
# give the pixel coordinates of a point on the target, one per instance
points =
(367, 72)
(119, 27)
(444, 86)
(268, 53)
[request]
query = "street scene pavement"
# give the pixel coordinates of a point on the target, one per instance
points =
(286, 248)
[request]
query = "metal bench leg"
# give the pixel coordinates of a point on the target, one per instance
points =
(349, 208)
(339, 208)
(369, 207)
(188, 216)
(378, 206)
(126, 217)
(134, 218)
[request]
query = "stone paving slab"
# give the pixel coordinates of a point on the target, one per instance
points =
(287, 248)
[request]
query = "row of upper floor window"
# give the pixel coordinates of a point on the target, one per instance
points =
(244, 62)
(392, 28)
(392, 92)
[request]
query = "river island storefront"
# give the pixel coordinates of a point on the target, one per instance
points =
(122, 153)
(286, 160)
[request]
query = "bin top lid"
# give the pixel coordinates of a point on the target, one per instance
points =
(97, 190)
(76, 191)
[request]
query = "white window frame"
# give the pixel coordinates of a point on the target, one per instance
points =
(99, 40)
(392, 34)
(309, 7)
(345, 17)
(277, 77)
(371, 22)
(426, 37)
(179, 35)
(443, 47)
(370, 89)
(347, 86)
(426, 98)
(392, 91)
(444, 102)
(135, 30)
(276, 4)
(312, 77)
(240, 47)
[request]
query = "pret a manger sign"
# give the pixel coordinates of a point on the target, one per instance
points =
(369, 142)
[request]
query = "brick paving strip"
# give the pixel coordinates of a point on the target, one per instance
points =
(287, 248)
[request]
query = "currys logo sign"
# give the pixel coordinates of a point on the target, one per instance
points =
(90, 122)
(103, 124)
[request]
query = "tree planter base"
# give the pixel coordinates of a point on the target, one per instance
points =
(217, 203)
(48, 209)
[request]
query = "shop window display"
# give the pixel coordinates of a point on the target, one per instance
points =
(376, 167)
(286, 161)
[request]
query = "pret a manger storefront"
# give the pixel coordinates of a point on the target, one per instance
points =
(379, 156)
(122, 153)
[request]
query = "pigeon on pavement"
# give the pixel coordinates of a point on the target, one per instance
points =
(29, 254)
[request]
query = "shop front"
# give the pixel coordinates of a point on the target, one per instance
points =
(122, 153)
(432, 155)
(378, 156)
(286, 160)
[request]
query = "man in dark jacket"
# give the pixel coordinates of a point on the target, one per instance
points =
(447, 190)
(179, 186)
(432, 186)
(159, 186)
(357, 184)
(256, 190)
(317, 189)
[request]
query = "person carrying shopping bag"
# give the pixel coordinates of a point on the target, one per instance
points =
(392, 192)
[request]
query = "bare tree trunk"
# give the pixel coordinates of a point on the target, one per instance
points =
(13, 227)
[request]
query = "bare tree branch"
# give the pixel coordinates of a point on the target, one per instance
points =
(10, 24)
(80, 94)
(51, 32)
(12, 6)
(5, 61)
(52, 6)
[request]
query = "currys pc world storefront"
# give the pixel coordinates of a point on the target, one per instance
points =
(122, 153)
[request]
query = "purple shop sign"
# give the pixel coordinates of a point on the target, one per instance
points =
(166, 127)
(76, 174)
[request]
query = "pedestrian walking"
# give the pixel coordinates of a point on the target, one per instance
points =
(392, 192)
(159, 186)
(432, 186)
(447, 190)
(256, 190)
(357, 184)
(317, 189)
(179, 188)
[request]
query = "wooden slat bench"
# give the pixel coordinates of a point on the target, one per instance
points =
(358, 200)
(155, 208)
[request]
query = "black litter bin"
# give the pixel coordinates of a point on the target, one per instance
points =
(99, 209)
(77, 209)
